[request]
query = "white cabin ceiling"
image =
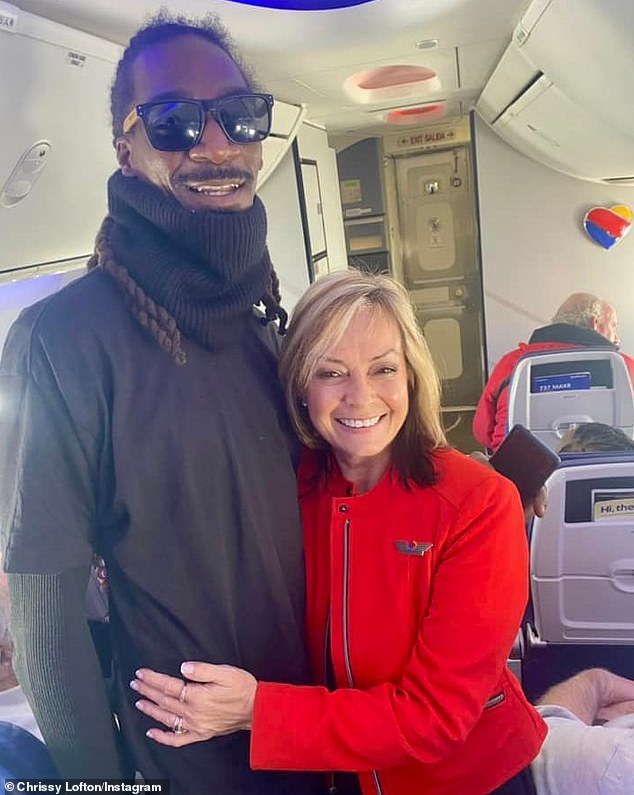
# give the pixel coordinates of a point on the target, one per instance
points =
(304, 56)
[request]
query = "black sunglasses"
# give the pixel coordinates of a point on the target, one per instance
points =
(176, 125)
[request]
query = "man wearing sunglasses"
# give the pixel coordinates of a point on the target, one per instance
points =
(143, 406)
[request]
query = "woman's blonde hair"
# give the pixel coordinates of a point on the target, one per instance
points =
(321, 318)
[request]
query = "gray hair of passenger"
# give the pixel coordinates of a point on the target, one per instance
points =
(592, 437)
(321, 319)
(579, 309)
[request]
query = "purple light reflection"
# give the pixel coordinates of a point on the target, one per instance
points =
(302, 5)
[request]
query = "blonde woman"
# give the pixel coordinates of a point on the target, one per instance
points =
(416, 566)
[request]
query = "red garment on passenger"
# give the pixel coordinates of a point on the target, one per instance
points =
(491, 417)
(423, 636)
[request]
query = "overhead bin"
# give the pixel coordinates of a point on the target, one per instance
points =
(562, 91)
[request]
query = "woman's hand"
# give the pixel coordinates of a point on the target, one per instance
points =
(215, 700)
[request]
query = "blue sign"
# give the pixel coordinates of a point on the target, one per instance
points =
(566, 382)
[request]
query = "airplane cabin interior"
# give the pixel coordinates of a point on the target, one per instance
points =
(479, 151)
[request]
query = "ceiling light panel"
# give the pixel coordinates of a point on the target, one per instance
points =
(302, 5)
(393, 81)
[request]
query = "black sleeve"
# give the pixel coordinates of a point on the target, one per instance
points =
(51, 430)
(57, 666)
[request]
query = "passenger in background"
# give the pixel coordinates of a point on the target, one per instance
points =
(579, 758)
(582, 320)
(142, 419)
(416, 562)
(594, 437)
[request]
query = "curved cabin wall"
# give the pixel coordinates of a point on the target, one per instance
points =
(56, 152)
(534, 249)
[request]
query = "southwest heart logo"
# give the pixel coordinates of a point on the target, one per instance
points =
(608, 225)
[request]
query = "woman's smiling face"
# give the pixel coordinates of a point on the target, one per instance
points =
(357, 398)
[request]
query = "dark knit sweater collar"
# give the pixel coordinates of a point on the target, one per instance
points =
(568, 334)
(201, 266)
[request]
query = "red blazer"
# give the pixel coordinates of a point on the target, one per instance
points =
(422, 591)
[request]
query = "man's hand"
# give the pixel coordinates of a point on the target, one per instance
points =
(593, 693)
(540, 501)
(539, 504)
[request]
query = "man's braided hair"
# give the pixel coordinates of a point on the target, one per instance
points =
(156, 319)
(162, 27)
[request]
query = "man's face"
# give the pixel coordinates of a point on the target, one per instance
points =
(216, 174)
(607, 324)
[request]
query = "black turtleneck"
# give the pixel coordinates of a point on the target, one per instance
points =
(568, 334)
(202, 266)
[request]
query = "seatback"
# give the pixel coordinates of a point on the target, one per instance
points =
(582, 553)
(553, 391)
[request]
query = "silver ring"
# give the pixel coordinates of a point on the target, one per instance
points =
(183, 693)
(177, 728)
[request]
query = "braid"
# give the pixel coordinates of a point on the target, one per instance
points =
(156, 319)
(275, 286)
(272, 301)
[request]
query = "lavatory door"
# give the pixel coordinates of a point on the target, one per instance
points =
(451, 324)
(440, 269)
(436, 217)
